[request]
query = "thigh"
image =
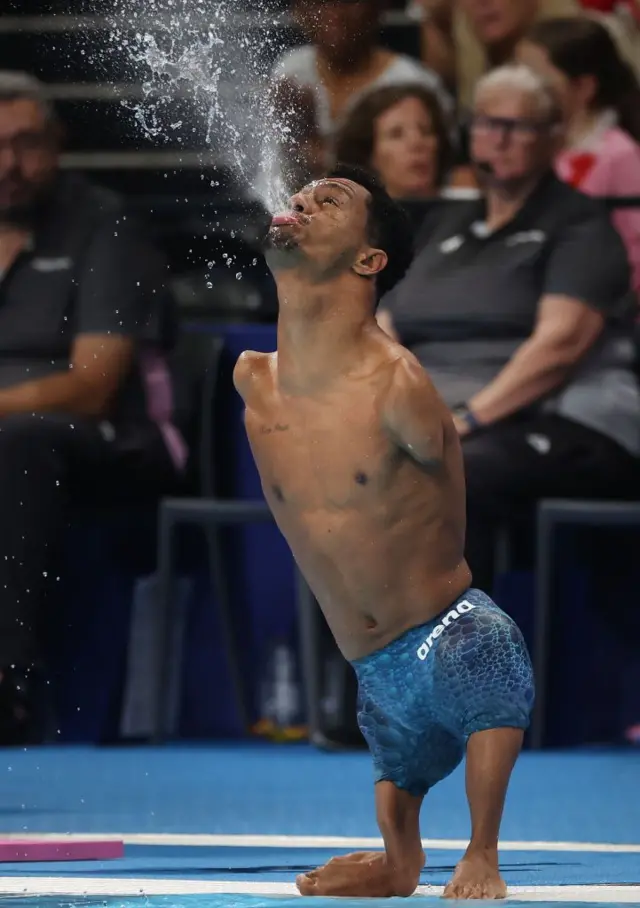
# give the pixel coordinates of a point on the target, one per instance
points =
(483, 672)
(408, 748)
(543, 456)
(50, 443)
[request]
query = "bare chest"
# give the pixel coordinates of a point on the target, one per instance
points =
(329, 453)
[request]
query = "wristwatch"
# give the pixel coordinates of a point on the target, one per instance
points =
(462, 411)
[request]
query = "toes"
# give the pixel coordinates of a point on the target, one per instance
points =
(306, 883)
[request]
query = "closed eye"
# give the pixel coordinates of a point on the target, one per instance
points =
(330, 199)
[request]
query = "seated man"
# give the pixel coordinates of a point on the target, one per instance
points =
(520, 307)
(84, 399)
(361, 465)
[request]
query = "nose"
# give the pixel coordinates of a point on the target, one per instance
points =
(302, 202)
(420, 139)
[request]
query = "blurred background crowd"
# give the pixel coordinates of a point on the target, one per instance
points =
(141, 252)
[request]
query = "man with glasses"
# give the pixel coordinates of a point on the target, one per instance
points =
(84, 318)
(519, 306)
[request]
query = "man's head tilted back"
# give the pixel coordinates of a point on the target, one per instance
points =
(344, 224)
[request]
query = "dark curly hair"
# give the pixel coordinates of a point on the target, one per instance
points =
(355, 140)
(389, 226)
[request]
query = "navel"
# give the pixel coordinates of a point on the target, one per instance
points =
(361, 478)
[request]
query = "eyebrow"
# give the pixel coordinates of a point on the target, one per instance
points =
(339, 185)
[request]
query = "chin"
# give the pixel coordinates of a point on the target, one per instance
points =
(281, 238)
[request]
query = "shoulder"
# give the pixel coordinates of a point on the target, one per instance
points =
(297, 63)
(404, 67)
(250, 366)
(618, 144)
(621, 156)
(409, 383)
(413, 412)
(89, 207)
(565, 213)
(85, 196)
(565, 204)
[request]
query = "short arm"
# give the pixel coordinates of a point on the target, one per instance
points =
(412, 415)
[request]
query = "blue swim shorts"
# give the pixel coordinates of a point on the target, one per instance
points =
(420, 697)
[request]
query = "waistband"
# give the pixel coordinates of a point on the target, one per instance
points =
(466, 602)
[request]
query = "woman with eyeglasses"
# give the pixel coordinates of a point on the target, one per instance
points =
(519, 307)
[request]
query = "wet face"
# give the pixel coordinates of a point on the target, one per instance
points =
(511, 134)
(325, 231)
(338, 27)
(28, 156)
(499, 21)
(405, 152)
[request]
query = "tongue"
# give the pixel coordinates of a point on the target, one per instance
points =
(281, 219)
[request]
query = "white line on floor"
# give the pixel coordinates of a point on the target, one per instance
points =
(317, 841)
(109, 887)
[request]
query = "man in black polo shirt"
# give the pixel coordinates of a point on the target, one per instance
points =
(84, 393)
(519, 306)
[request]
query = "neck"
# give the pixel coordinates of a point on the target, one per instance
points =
(319, 329)
(503, 203)
(582, 123)
(502, 52)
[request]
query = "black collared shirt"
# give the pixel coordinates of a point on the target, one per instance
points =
(88, 270)
(470, 299)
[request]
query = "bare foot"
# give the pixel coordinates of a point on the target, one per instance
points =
(476, 878)
(364, 874)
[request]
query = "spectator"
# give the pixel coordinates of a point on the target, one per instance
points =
(341, 62)
(401, 133)
(83, 390)
(464, 39)
(523, 329)
(601, 98)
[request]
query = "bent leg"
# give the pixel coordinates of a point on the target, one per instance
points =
(491, 756)
(369, 874)
(485, 675)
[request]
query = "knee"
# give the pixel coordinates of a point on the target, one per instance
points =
(27, 426)
(406, 880)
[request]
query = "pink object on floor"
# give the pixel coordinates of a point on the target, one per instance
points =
(59, 849)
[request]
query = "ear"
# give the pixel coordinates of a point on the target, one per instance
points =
(370, 262)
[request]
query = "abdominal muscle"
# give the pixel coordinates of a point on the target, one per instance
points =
(374, 580)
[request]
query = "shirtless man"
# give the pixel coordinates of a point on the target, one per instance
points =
(361, 465)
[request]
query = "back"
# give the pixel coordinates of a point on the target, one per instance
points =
(378, 535)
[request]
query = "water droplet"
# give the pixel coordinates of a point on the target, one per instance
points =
(209, 285)
(238, 276)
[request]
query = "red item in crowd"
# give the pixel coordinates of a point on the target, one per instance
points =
(580, 165)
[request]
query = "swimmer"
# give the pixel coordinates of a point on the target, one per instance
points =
(361, 465)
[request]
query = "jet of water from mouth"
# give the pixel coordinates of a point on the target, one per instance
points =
(204, 72)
